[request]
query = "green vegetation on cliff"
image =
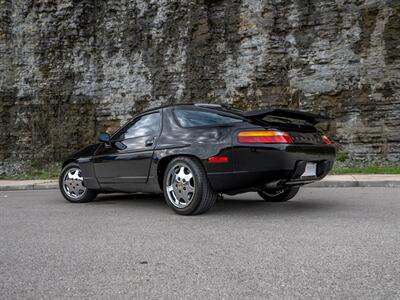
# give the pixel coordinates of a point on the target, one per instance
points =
(37, 171)
(372, 169)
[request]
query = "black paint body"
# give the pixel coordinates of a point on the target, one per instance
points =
(140, 166)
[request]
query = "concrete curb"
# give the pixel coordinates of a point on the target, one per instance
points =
(333, 181)
(27, 187)
(22, 185)
(359, 180)
(347, 184)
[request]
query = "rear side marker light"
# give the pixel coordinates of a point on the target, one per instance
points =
(326, 140)
(218, 159)
(264, 137)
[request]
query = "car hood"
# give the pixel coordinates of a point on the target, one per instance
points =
(87, 151)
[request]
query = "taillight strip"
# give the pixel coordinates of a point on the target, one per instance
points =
(265, 137)
(326, 140)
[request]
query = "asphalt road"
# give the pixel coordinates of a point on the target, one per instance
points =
(326, 243)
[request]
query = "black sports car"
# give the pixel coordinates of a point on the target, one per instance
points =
(193, 152)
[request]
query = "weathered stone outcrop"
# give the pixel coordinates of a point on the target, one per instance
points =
(70, 68)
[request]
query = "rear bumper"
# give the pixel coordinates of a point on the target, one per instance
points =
(273, 166)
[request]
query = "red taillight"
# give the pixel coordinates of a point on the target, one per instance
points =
(218, 159)
(265, 137)
(326, 140)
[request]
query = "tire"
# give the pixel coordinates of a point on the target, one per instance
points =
(72, 186)
(186, 187)
(279, 195)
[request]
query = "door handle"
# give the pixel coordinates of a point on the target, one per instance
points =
(149, 142)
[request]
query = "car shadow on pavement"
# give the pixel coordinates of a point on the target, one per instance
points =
(122, 198)
(260, 207)
(238, 206)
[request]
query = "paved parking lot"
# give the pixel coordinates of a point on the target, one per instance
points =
(325, 243)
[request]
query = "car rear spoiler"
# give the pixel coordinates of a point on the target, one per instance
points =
(285, 113)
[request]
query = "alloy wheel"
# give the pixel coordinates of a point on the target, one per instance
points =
(180, 185)
(73, 183)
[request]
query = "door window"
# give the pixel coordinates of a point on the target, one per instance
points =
(147, 125)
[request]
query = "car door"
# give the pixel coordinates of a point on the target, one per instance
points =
(128, 157)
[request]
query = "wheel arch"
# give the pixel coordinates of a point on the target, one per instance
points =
(163, 163)
(67, 162)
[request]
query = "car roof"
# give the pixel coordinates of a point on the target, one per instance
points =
(219, 107)
(258, 115)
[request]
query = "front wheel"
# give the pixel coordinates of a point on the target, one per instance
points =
(186, 187)
(280, 195)
(72, 186)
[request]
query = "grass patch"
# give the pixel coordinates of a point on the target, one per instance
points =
(366, 170)
(342, 156)
(37, 171)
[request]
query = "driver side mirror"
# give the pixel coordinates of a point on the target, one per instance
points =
(104, 137)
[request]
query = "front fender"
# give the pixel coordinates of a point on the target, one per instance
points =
(84, 158)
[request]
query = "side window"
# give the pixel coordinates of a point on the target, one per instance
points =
(145, 126)
(195, 118)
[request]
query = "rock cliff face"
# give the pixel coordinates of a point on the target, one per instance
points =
(70, 68)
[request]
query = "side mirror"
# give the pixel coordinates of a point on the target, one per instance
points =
(104, 137)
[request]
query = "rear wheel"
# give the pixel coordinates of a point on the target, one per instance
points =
(186, 187)
(72, 186)
(279, 195)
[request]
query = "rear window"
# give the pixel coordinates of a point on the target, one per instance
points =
(196, 118)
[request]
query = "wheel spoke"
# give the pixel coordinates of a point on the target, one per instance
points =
(181, 173)
(185, 195)
(72, 191)
(190, 188)
(176, 198)
(186, 177)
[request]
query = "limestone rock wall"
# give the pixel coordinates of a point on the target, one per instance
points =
(70, 68)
